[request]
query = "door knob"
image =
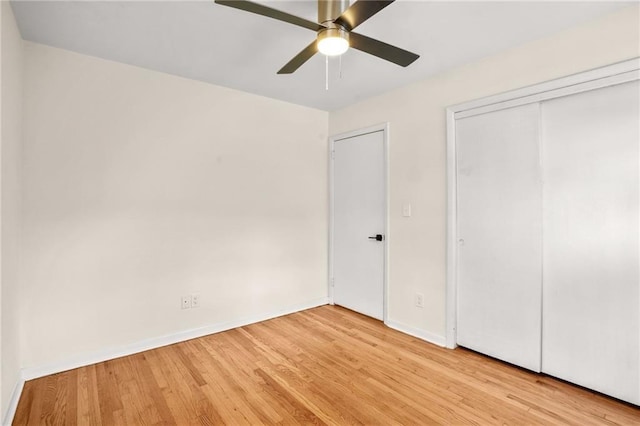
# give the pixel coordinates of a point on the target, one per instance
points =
(377, 237)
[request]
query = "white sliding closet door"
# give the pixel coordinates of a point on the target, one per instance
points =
(591, 259)
(499, 232)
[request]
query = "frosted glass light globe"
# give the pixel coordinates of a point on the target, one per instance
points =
(333, 46)
(333, 41)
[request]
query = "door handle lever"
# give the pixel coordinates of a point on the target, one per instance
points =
(377, 237)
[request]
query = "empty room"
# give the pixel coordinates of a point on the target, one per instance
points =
(335, 212)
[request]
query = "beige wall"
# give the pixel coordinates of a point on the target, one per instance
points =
(140, 187)
(11, 126)
(416, 113)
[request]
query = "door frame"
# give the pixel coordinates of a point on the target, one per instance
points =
(384, 128)
(609, 75)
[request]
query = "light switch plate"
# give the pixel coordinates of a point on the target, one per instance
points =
(406, 210)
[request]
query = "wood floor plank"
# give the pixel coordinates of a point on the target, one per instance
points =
(88, 409)
(32, 405)
(107, 387)
(237, 402)
(243, 381)
(326, 365)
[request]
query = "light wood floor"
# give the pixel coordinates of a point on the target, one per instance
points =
(326, 365)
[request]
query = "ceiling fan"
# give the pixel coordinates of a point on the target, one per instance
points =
(336, 22)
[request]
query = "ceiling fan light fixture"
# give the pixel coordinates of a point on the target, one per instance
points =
(333, 41)
(336, 21)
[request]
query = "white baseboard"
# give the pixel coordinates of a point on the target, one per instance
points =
(13, 402)
(436, 339)
(156, 342)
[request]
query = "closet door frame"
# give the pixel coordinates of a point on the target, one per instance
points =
(610, 75)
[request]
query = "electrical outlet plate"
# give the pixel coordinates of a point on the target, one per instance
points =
(195, 300)
(186, 302)
(420, 300)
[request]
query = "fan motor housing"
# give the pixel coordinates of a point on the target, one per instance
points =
(328, 10)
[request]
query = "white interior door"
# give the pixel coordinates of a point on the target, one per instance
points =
(591, 261)
(359, 210)
(499, 235)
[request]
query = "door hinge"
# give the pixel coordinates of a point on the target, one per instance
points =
(333, 155)
(333, 282)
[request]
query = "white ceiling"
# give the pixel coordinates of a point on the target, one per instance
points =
(212, 43)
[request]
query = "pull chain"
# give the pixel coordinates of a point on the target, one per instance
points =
(326, 72)
(340, 67)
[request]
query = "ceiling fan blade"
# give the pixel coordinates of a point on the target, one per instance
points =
(269, 12)
(300, 58)
(359, 12)
(382, 50)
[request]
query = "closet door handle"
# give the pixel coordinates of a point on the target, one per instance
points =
(377, 237)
